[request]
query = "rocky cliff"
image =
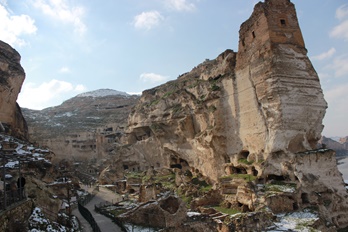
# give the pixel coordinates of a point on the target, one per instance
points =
(11, 79)
(254, 114)
(264, 100)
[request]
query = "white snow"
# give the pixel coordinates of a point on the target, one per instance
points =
(67, 114)
(8, 176)
(37, 222)
(297, 221)
(192, 214)
(102, 93)
(11, 164)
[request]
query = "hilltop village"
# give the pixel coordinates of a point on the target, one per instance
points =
(231, 145)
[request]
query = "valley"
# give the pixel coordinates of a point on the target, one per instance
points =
(235, 144)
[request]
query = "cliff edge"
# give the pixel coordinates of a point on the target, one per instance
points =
(11, 79)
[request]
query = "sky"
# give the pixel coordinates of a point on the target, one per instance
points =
(73, 46)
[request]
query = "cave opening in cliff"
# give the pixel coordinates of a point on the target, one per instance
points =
(125, 167)
(237, 170)
(276, 178)
(244, 208)
(255, 172)
(244, 154)
(131, 191)
(305, 199)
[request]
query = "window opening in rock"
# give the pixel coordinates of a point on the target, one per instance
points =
(125, 167)
(253, 33)
(304, 197)
(243, 42)
(255, 172)
(283, 22)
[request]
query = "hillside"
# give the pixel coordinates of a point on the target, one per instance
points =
(67, 128)
(340, 146)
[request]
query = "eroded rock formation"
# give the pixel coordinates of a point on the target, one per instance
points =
(262, 100)
(11, 79)
(245, 122)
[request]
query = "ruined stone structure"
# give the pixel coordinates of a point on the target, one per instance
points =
(11, 79)
(279, 98)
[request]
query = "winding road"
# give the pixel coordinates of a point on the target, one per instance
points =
(105, 224)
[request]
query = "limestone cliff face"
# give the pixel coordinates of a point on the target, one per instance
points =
(263, 100)
(281, 104)
(245, 121)
(11, 79)
(184, 121)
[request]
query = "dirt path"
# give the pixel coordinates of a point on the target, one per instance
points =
(105, 224)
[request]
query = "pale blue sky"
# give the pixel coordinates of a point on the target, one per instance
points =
(74, 46)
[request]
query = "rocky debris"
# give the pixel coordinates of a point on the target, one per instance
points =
(12, 76)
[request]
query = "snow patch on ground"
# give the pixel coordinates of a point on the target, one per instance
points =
(102, 93)
(192, 214)
(297, 221)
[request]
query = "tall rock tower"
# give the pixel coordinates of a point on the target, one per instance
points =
(281, 103)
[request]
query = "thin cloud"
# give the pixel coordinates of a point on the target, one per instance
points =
(47, 94)
(325, 55)
(340, 66)
(341, 30)
(342, 12)
(180, 5)
(61, 10)
(64, 70)
(335, 118)
(147, 20)
(13, 27)
(153, 77)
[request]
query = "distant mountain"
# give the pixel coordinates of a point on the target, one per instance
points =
(340, 145)
(84, 112)
(103, 93)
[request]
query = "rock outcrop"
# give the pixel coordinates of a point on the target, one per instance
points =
(11, 79)
(263, 100)
(244, 122)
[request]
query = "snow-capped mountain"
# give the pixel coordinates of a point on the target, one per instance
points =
(103, 93)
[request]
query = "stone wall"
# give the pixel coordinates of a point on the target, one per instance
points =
(15, 218)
